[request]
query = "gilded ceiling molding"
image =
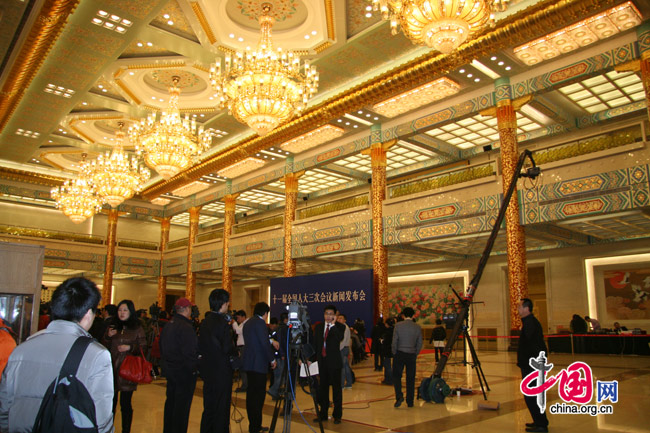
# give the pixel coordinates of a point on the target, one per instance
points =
(205, 25)
(30, 177)
(330, 19)
(51, 20)
(528, 24)
(128, 91)
(322, 47)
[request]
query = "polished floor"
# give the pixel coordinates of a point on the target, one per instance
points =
(368, 406)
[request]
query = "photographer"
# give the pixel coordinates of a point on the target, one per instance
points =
(178, 347)
(216, 350)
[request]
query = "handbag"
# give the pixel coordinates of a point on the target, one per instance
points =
(136, 369)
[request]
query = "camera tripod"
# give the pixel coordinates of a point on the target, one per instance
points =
(288, 386)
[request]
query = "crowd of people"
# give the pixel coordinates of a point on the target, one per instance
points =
(217, 349)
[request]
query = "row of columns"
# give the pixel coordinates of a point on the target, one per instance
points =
(505, 113)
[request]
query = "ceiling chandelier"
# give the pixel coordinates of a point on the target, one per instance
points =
(439, 24)
(77, 198)
(170, 143)
(116, 175)
(264, 88)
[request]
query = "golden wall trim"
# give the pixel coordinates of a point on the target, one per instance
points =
(205, 25)
(52, 19)
(530, 23)
(30, 177)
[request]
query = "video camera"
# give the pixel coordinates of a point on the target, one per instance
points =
(298, 323)
(154, 311)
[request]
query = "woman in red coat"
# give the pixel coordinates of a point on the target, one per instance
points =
(123, 337)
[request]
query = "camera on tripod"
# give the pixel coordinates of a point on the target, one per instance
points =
(298, 323)
(154, 311)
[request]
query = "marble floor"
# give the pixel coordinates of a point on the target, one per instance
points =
(368, 406)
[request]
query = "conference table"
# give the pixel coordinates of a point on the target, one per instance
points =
(623, 344)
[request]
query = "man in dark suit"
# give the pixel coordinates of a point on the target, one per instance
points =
(216, 348)
(327, 340)
(258, 356)
(531, 343)
(179, 354)
(406, 345)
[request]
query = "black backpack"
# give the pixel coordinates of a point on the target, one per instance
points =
(67, 406)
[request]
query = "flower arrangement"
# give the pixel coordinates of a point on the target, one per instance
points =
(430, 302)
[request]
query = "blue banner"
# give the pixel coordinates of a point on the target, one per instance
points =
(350, 292)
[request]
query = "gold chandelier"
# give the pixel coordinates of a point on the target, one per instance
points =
(115, 175)
(439, 24)
(77, 198)
(170, 143)
(264, 88)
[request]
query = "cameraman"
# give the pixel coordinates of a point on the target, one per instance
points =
(216, 350)
(279, 335)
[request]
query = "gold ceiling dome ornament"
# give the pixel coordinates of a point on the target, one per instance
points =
(116, 175)
(264, 88)
(440, 24)
(170, 143)
(77, 198)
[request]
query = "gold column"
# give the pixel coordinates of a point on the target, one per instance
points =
(165, 224)
(379, 254)
(190, 280)
(291, 197)
(111, 236)
(515, 237)
(228, 221)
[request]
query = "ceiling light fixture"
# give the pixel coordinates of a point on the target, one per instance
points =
(116, 175)
(583, 33)
(77, 198)
(264, 88)
(170, 143)
(414, 98)
(440, 24)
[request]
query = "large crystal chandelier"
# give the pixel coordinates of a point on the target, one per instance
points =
(77, 198)
(116, 175)
(439, 24)
(170, 143)
(264, 88)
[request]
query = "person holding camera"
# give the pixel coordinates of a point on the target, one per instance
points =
(328, 336)
(216, 351)
(179, 354)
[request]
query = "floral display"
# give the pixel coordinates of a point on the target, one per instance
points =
(430, 301)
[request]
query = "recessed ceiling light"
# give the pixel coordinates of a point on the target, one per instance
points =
(139, 44)
(508, 68)
(500, 63)
(170, 22)
(493, 58)
(149, 44)
(313, 32)
(231, 36)
(166, 16)
(462, 71)
(240, 39)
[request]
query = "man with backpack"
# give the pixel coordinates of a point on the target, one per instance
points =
(60, 379)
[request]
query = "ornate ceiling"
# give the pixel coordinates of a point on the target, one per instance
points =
(71, 70)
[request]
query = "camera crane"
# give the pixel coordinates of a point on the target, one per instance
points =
(436, 384)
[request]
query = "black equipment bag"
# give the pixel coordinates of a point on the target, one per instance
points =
(67, 407)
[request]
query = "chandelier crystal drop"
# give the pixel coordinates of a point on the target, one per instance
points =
(116, 175)
(170, 143)
(264, 88)
(440, 24)
(77, 198)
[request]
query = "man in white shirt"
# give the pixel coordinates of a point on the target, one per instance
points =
(346, 372)
(238, 327)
